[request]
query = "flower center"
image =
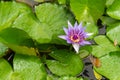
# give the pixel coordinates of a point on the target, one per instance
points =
(75, 38)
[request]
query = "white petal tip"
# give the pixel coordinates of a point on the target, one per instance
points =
(76, 47)
(62, 36)
(89, 34)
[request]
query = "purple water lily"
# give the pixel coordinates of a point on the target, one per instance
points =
(75, 35)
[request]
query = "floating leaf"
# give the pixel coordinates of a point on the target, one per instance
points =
(54, 21)
(66, 63)
(114, 10)
(104, 46)
(110, 66)
(85, 51)
(28, 68)
(17, 40)
(108, 20)
(9, 12)
(5, 70)
(113, 32)
(91, 28)
(86, 10)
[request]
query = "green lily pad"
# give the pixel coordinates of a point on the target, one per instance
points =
(28, 68)
(23, 18)
(104, 46)
(86, 10)
(3, 49)
(5, 70)
(65, 63)
(106, 20)
(92, 29)
(18, 40)
(29, 24)
(114, 10)
(54, 21)
(113, 32)
(85, 51)
(9, 12)
(110, 66)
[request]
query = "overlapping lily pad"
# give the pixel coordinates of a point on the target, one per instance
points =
(86, 10)
(113, 32)
(55, 18)
(18, 40)
(9, 12)
(108, 56)
(104, 46)
(28, 68)
(65, 63)
(114, 10)
(110, 66)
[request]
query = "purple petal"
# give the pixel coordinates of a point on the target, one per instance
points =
(80, 26)
(69, 41)
(76, 47)
(70, 27)
(84, 42)
(62, 36)
(76, 25)
(66, 30)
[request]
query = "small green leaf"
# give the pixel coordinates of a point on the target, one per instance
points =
(17, 40)
(104, 46)
(66, 63)
(110, 66)
(28, 68)
(113, 32)
(86, 10)
(114, 10)
(5, 70)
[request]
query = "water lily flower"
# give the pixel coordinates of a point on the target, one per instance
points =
(75, 35)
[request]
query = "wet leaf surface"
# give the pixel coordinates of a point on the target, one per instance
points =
(65, 62)
(28, 68)
(88, 11)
